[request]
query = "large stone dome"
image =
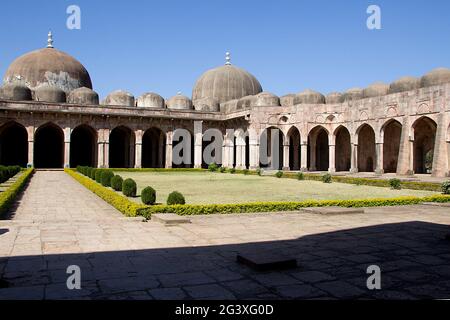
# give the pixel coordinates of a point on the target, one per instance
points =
(225, 83)
(48, 66)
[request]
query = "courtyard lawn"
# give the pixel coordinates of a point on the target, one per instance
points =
(226, 188)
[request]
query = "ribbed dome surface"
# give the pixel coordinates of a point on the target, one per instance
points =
(309, 97)
(48, 66)
(120, 98)
(225, 83)
(375, 90)
(83, 96)
(435, 77)
(404, 84)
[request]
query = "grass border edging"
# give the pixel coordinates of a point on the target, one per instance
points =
(121, 203)
(7, 197)
(132, 209)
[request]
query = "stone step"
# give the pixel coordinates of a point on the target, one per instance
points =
(437, 204)
(169, 219)
(333, 210)
(266, 260)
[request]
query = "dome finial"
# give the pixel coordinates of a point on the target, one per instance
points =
(227, 59)
(50, 40)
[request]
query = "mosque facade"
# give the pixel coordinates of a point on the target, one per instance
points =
(50, 117)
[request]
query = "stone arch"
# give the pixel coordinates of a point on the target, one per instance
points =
(83, 146)
(121, 147)
(366, 148)
(424, 133)
(13, 144)
(391, 134)
(318, 149)
(294, 140)
(153, 148)
(49, 146)
(343, 149)
(271, 148)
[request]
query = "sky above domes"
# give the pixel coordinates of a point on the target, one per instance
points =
(289, 46)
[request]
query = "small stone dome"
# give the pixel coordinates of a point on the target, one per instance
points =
(287, 100)
(83, 96)
(207, 104)
(15, 92)
(375, 90)
(352, 94)
(435, 77)
(226, 83)
(120, 98)
(245, 102)
(404, 84)
(179, 102)
(309, 97)
(265, 99)
(151, 100)
(47, 93)
(334, 97)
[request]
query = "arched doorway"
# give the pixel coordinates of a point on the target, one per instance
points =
(13, 145)
(83, 146)
(424, 138)
(49, 147)
(241, 150)
(153, 148)
(392, 132)
(294, 148)
(121, 148)
(366, 149)
(271, 148)
(343, 149)
(318, 149)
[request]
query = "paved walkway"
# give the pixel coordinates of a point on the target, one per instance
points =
(58, 223)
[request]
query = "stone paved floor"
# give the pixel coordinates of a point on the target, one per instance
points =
(58, 223)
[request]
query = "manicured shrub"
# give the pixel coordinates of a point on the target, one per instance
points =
(129, 187)
(245, 171)
(116, 182)
(395, 184)
(300, 176)
(259, 171)
(213, 167)
(148, 195)
(327, 178)
(92, 173)
(106, 178)
(232, 170)
(279, 174)
(222, 169)
(7, 197)
(98, 175)
(175, 197)
(446, 187)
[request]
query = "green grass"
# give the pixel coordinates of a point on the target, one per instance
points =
(223, 188)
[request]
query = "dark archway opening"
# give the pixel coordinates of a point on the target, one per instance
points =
(391, 146)
(121, 148)
(273, 153)
(83, 147)
(13, 145)
(49, 147)
(153, 149)
(366, 149)
(318, 150)
(294, 149)
(343, 150)
(424, 138)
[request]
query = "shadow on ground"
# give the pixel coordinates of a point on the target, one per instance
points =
(414, 260)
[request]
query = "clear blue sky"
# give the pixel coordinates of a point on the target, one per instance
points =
(164, 46)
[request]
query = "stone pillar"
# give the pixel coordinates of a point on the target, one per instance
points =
(404, 163)
(286, 164)
(106, 133)
(169, 154)
(304, 156)
(254, 149)
(67, 132)
(379, 160)
(101, 149)
(448, 158)
(30, 131)
(138, 149)
(440, 158)
(354, 158)
(239, 155)
(198, 142)
(331, 158)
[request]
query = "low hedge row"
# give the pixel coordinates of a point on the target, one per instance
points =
(284, 206)
(7, 197)
(121, 203)
(8, 172)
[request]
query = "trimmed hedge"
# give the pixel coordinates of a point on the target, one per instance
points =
(107, 175)
(8, 172)
(116, 182)
(121, 203)
(175, 198)
(148, 195)
(7, 197)
(129, 187)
